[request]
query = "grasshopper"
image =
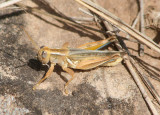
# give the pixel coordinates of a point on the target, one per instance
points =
(84, 57)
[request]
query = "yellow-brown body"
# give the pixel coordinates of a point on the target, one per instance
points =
(79, 58)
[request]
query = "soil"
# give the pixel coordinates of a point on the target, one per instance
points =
(103, 90)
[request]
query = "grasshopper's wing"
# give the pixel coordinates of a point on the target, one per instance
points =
(92, 62)
(114, 61)
(98, 44)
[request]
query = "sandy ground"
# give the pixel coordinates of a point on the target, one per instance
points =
(103, 90)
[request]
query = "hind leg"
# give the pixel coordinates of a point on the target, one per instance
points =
(70, 72)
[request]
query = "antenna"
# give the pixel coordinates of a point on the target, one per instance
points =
(29, 37)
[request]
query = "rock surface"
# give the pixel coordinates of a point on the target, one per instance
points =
(103, 90)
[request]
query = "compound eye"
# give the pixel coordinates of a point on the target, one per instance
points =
(44, 54)
(41, 47)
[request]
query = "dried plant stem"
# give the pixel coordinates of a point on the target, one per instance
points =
(8, 3)
(141, 47)
(142, 89)
(119, 23)
(146, 80)
(82, 19)
(134, 23)
(155, 103)
(136, 20)
(86, 12)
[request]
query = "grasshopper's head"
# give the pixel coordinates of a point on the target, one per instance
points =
(44, 55)
(43, 52)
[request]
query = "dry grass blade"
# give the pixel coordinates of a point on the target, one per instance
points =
(120, 24)
(145, 80)
(134, 23)
(144, 93)
(8, 3)
(141, 47)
